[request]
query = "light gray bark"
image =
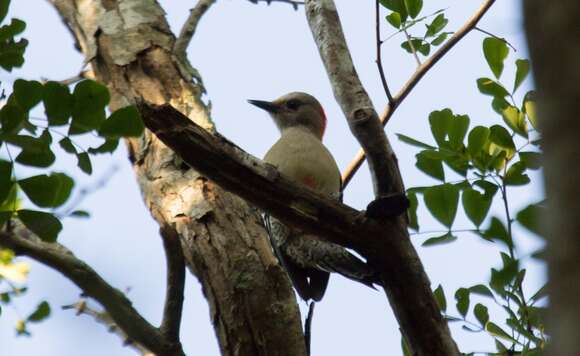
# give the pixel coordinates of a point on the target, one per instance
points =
(253, 308)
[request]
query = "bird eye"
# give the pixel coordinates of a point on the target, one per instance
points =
(292, 104)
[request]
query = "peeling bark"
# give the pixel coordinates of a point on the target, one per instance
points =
(253, 307)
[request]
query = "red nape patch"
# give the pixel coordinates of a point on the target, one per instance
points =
(323, 115)
(309, 181)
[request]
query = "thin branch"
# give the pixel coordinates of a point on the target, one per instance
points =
(379, 61)
(189, 27)
(118, 306)
(415, 78)
(353, 99)
(82, 308)
(175, 284)
(294, 4)
(412, 46)
(494, 36)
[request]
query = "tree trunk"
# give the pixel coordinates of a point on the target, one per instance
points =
(553, 31)
(252, 304)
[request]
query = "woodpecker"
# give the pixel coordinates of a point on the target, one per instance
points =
(300, 155)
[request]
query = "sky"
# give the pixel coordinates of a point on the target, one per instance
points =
(246, 51)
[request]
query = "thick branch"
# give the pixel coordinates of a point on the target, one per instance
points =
(175, 284)
(190, 25)
(415, 78)
(425, 330)
(383, 243)
(90, 282)
(352, 97)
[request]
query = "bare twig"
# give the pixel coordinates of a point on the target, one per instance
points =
(118, 306)
(412, 47)
(308, 327)
(415, 78)
(175, 284)
(494, 36)
(189, 27)
(379, 61)
(82, 308)
(294, 4)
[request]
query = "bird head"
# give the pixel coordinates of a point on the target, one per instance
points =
(295, 110)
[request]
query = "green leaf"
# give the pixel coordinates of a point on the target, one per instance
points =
(413, 7)
(477, 140)
(42, 159)
(532, 160)
(411, 141)
(418, 44)
(12, 118)
(440, 122)
(522, 70)
(67, 145)
(4, 4)
(457, 130)
(499, 104)
(439, 240)
(516, 120)
(16, 27)
(47, 191)
(11, 202)
(42, 312)
(394, 19)
(45, 225)
(12, 55)
(80, 214)
(109, 146)
(529, 217)
(5, 179)
(125, 122)
(440, 39)
(501, 138)
(495, 330)
(481, 290)
(497, 231)
(397, 6)
(90, 100)
(476, 205)
(440, 298)
(495, 52)
(530, 108)
(436, 25)
(430, 166)
(441, 200)
(412, 211)
(84, 163)
(491, 87)
(58, 103)
(481, 314)
(462, 299)
(27, 93)
(515, 175)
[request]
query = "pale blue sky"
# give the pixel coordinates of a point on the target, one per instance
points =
(247, 51)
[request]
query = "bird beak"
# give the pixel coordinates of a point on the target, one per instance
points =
(266, 105)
